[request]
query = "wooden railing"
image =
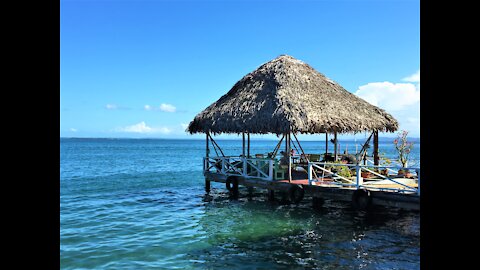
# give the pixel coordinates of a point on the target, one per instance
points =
(358, 181)
(261, 168)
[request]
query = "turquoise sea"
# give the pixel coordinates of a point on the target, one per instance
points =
(140, 204)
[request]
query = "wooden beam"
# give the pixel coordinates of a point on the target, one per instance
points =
(326, 143)
(243, 144)
(363, 152)
(289, 160)
(216, 144)
(248, 144)
(271, 195)
(376, 157)
(289, 142)
(335, 146)
(279, 144)
(286, 142)
(303, 152)
(298, 142)
(207, 149)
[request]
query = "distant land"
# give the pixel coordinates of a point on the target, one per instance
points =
(359, 140)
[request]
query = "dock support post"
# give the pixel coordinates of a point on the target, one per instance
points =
(271, 195)
(205, 165)
(317, 202)
(207, 185)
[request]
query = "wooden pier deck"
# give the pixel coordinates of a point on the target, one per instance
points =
(329, 183)
(381, 193)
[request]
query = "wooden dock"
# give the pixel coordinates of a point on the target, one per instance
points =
(370, 194)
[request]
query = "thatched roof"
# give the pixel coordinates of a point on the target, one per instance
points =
(287, 95)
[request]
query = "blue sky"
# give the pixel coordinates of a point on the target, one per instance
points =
(146, 68)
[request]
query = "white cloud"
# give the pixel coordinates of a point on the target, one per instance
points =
(409, 119)
(164, 107)
(111, 107)
(137, 128)
(184, 126)
(413, 78)
(73, 130)
(389, 96)
(143, 128)
(167, 107)
(402, 100)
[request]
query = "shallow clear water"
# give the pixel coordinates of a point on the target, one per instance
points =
(140, 204)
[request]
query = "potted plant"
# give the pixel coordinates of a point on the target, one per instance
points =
(386, 162)
(367, 174)
(403, 148)
(344, 171)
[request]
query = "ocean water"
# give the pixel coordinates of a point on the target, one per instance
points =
(140, 204)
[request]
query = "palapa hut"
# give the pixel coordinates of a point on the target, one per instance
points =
(287, 96)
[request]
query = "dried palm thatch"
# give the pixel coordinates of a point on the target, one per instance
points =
(287, 95)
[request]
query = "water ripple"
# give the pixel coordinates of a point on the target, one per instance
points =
(123, 206)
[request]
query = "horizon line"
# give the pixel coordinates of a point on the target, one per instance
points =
(201, 139)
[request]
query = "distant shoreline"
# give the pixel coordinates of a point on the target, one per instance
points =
(360, 140)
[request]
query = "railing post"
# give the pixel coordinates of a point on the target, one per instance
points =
(309, 173)
(270, 169)
(244, 166)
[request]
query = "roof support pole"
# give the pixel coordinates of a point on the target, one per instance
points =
(335, 147)
(376, 157)
(243, 144)
(286, 142)
(207, 149)
(326, 143)
(289, 157)
(248, 144)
